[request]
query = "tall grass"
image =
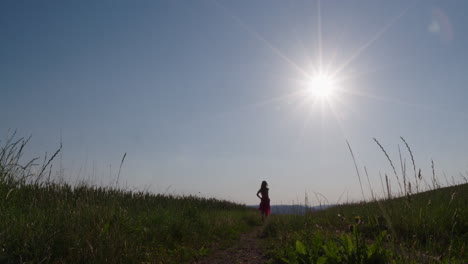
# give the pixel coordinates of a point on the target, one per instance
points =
(432, 228)
(43, 221)
(423, 225)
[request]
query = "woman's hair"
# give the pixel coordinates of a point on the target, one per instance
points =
(264, 185)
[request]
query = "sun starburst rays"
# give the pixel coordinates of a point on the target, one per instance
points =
(323, 86)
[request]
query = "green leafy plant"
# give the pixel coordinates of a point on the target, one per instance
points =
(347, 248)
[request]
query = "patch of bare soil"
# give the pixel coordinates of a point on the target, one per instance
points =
(246, 250)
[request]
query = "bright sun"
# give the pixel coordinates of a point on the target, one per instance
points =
(322, 86)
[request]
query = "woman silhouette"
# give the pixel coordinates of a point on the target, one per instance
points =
(265, 200)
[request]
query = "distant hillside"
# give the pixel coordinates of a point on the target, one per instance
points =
(294, 209)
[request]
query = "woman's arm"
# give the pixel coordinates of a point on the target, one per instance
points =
(259, 195)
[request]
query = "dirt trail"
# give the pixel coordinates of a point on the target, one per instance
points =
(246, 250)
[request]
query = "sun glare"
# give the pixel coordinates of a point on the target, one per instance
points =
(322, 86)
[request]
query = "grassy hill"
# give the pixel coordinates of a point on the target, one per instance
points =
(46, 222)
(429, 227)
(60, 224)
(42, 221)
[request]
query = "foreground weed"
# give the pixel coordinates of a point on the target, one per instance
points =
(430, 228)
(316, 248)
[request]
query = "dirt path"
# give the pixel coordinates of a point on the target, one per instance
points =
(246, 250)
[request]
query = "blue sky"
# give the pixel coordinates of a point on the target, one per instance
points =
(207, 97)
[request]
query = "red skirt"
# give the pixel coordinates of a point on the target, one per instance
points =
(265, 206)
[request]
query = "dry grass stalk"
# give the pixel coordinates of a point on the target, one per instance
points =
(414, 163)
(435, 184)
(391, 163)
(120, 168)
(389, 192)
(44, 167)
(368, 182)
(403, 170)
(357, 170)
(381, 182)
